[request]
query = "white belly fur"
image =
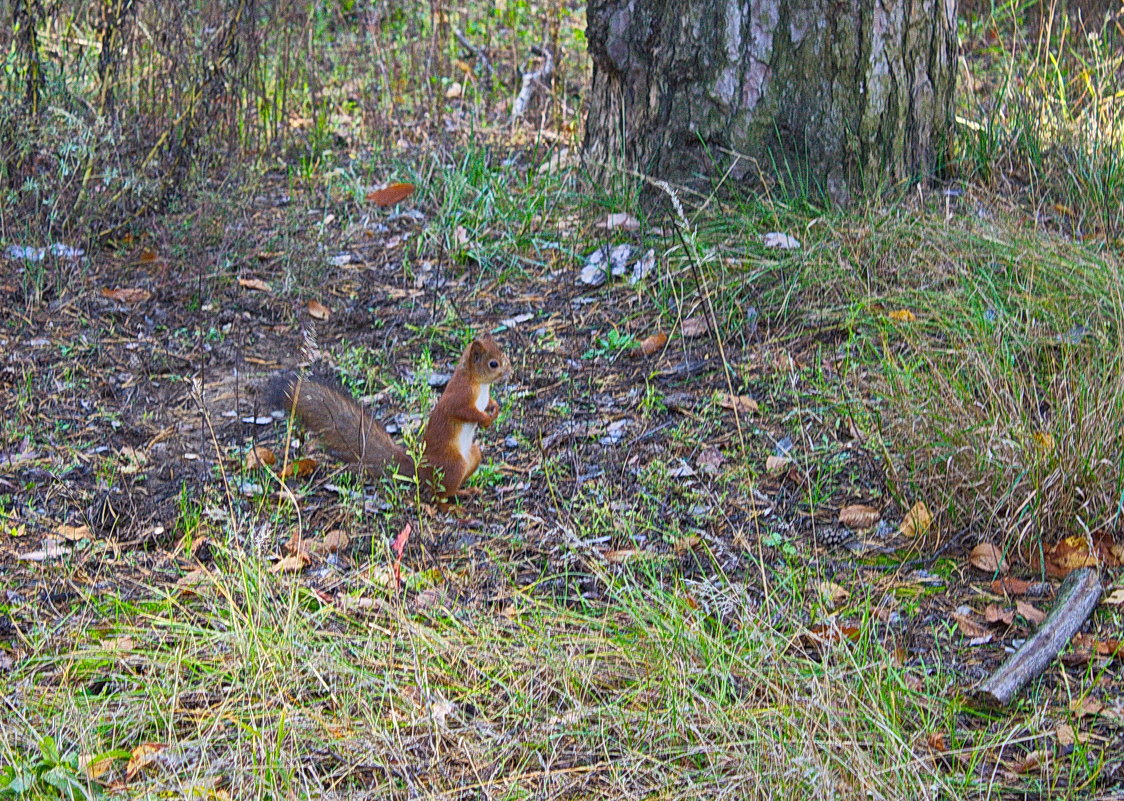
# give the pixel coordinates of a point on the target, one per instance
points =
(468, 430)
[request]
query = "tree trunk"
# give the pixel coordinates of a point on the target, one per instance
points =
(839, 96)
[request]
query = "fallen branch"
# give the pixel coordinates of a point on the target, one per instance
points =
(1077, 598)
(530, 80)
(477, 52)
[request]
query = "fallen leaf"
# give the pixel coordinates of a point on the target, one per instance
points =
(831, 593)
(994, 613)
(936, 741)
(902, 316)
(693, 326)
(1067, 555)
(1097, 646)
(74, 533)
(1086, 706)
(743, 404)
(1066, 735)
(391, 194)
(653, 344)
(455, 91)
(821, 634)
(299, 468)
(294, 563)
(258, 456)
(94, 766)
(622, 555)
(988, 558)
(148, 256)
(318, 311)
(1114, 598)
(969, 627)
(1031, 762)
(397, 547)
(710, 460)
(775, 465)
(1030, 612)
(128, 296)
(859, 516)
(686, 543)
(775, 239)
(117, 643)
(335, 540)
(143, 757)
(1008, 585)
(917, 521)
(619, 221)
(1044, 441)
(255, 284)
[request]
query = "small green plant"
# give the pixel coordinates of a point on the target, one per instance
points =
(610, 345)
(51, 775)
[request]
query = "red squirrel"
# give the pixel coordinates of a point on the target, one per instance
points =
(450, 454)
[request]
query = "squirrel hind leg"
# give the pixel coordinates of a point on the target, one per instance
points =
(279, 391)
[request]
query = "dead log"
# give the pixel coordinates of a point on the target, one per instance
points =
(1077, 598)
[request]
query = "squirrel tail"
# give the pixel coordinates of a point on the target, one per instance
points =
(346, 428)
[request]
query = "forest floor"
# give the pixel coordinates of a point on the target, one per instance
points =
(752, 526)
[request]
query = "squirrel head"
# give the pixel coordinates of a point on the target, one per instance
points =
(486, 361)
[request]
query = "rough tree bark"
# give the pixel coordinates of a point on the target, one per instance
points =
(844, 94)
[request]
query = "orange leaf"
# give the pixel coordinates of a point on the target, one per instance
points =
(917, 521)
(902, 316)
(127, 295)
(1011, 586)
(298, 468)
(294, 563)
(1030, 612)
(318, 311)
(260, 455)
(742, 403)
(988, 558)
(390, 195)
(143, 756)
(255, 284)
(653, 344)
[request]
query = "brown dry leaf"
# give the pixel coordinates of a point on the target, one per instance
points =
(117, 643)
(832, 594)
(1067, 555)
(258, 456)
(622, 555)
(917, 521)
(74, 533)
(127, 295)
(94, 766)
(318, 311)
(144, 756)
(255, 284)
(294, 563)
(1033, 761)
(831, 634)
(693, 327)
(988, 558)
(1030, 612)
(859, 516)
(969, 627)
(299, 468)
(1114, 598)
(742, 403)
(1066, 735)
(710, 460)
(148, 256)
(335, 540)
(1096, 646)
(902, 316)
(391, 194)
(653, 344)
(994, 613)
(686, 543)
(1086, 706)
(775, 465)
(936, 741)
(1008, 585)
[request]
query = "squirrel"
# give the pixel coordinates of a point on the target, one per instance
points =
(449, 454)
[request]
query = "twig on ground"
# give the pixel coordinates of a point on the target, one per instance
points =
(477, 53)
(1077, 599)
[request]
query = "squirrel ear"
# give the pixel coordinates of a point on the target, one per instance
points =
(476, 348)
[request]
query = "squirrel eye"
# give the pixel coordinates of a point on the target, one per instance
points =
(493, 364)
